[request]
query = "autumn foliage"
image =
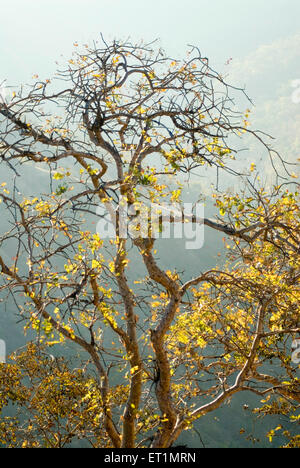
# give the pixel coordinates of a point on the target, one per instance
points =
(156, 353)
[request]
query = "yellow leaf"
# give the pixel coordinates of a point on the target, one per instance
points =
(58, 176)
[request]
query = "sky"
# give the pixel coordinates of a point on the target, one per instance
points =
(35, 32)
(260, 39)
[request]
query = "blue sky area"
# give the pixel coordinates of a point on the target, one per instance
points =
(35, 32)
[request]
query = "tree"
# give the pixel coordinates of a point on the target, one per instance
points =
(120, 128)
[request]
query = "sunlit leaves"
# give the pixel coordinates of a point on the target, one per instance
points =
(63, 405)
(136, 124)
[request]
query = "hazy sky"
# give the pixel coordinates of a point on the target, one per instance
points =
(261, 36)
(35, 32)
